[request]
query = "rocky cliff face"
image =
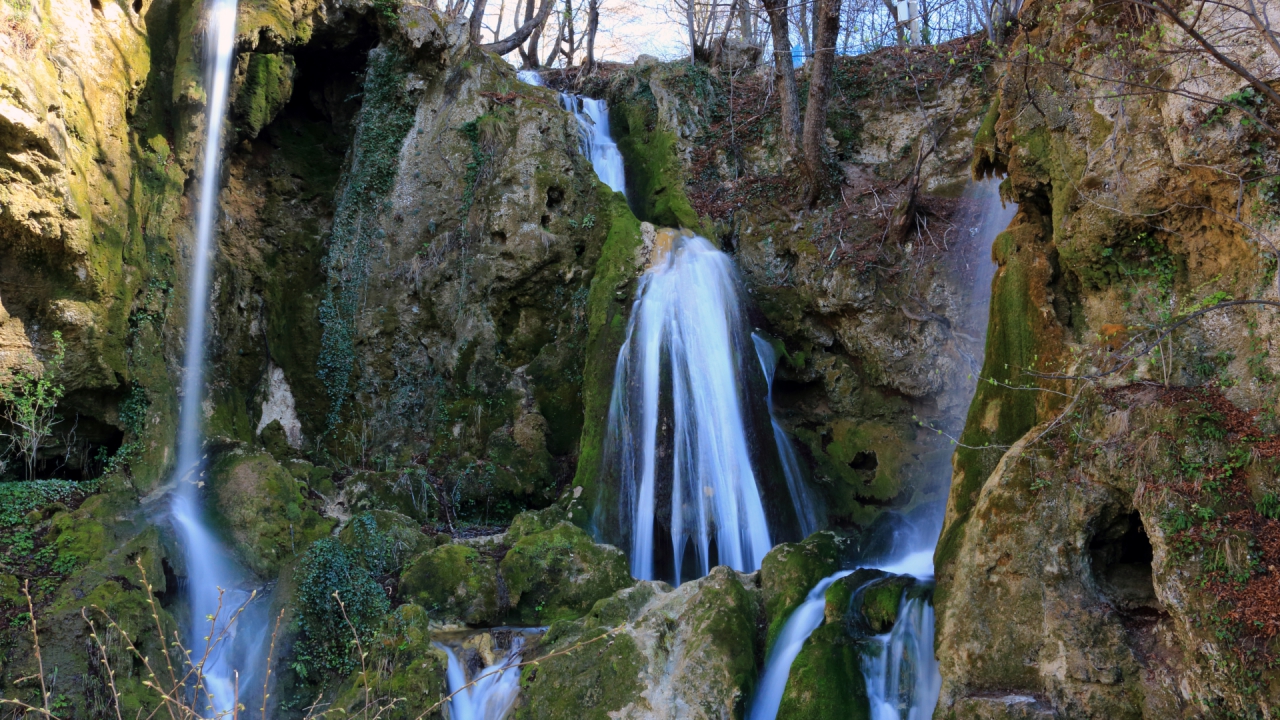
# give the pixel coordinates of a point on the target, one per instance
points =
(1108, 548)
(421, 291)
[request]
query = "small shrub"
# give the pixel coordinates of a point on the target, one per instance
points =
(1269, 506)
(28, 405)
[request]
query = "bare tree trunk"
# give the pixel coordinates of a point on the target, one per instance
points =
(693, 32)
(826, 25)
(746, 19)
(784, 68)
(531, 27)
(898, 27)
(502, 10)
(724, 34)
(555, 49)
(568, 24)
(477, 21)
(593, 22)
(806, 42)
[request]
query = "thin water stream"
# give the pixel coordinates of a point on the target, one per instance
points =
(901, 671)
(228, 648)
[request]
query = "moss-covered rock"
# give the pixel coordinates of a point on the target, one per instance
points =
(455, 581)
(266, 510)
(558, 574)
(826, 679)
(652, 652)
(406, 672)
(268, 83)
(790, 571)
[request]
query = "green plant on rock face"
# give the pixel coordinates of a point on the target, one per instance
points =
(386, 116)
(28, 405)
(1269, 506)
(324, 644)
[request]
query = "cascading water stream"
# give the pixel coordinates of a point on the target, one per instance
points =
(494, 690)
(212, 575)
(593, 130)
(686, 328)
(799, 627)
(901, 676)
(806, 511)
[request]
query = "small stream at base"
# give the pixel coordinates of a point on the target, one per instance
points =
(486, 691)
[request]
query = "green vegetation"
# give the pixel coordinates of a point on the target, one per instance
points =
(352, 571)
(386, 116)
(28, 406)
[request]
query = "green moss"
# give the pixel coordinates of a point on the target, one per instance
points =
(406, 666)
(266, 511)
(454, 581)
(723, 614)
(790, 571)
(1019, 337)
(607, 304)
(655, 176)
(865, 459)
(560, 573)
(586, 684)
(985, 158)
(826, 679)
(268, 83)
(536, 521)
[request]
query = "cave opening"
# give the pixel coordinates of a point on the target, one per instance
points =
(1121, 557)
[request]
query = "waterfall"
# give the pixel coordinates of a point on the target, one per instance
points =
(593, 129)
(686, 333)
(494, 691)
(806, 511)
(210, 569)
(902, 676)
(777, 667)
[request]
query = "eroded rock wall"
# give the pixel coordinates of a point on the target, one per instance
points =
(1085, 569)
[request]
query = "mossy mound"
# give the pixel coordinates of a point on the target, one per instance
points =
(455, 581)
(270, 518)
(826, 679)
(560, 573)
(692, 652)
(866, 602)
(790, 571)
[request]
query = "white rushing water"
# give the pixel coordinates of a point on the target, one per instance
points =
(801, 624)
(495, 688)
(806, 510)
(902, 677)
(686, 328)
(593, 130)
(597, 144)
(210, 570)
